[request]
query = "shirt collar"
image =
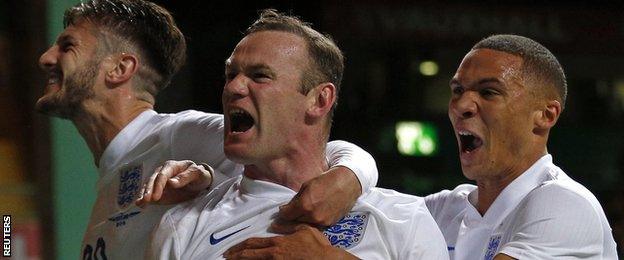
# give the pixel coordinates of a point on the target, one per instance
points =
(264, 189)
(511, 195)
(120, 144)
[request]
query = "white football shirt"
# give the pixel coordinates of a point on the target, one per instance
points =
(118, 229)
(383, 224)
(542, 214)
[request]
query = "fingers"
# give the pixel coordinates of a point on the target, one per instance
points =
(153, 189)
(263, 253)
(292, 210)
(251, 243)
(194, 178)
(303, 209)
(287, 227)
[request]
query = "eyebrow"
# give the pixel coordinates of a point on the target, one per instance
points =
(480, 82)
(65, 38)
(253, 67)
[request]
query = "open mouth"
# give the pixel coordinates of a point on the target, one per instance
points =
(240, 121)
(54, 79)
(469, 142)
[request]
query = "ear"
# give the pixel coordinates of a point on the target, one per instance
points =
(321, 100)
(122, 68)
(547, 116)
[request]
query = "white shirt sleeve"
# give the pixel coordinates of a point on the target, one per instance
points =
(198, 137)
(553, 222)
(341, 153)
(426, 240)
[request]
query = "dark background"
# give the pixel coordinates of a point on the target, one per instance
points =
(383, 43)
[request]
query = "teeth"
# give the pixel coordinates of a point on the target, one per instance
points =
(53, 78)
(237, 111)
(464, 133)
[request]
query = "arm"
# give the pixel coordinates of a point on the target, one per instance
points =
(325, 199)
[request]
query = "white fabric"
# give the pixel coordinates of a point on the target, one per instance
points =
(117, 228)
(396, 226)
(542, 214)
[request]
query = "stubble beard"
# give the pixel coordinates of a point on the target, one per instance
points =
(77, 87)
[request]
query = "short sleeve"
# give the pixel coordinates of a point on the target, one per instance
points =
(341, 153)
(426, 240)
(554, 222)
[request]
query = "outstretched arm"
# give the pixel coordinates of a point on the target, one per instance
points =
(321, 201)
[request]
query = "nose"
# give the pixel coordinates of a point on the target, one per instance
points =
(464, 106)
(236, 88)
(49, 58)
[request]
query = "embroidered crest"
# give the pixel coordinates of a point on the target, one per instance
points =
(129, 184)
(492, 247)
(349, 231)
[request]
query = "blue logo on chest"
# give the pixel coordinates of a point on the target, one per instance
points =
(492, 247)
(349, 231)
(129, 184)
(214, 241)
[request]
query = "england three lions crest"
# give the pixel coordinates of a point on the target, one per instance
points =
(129, 185)
(349, 231)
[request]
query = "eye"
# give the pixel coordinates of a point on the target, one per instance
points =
(457, 90)
(260, 77)
(65, 46)
(488, 92)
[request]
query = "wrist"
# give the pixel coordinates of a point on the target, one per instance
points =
(210, 173)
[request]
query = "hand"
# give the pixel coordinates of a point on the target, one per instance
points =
(325, 199)
(305, 243)
(174, 182)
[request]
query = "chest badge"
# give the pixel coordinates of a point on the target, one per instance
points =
(129, 185)
(349, 231)
(492, 247)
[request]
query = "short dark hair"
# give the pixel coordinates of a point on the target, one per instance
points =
(538, 62)
(327, 59)
(138, 25)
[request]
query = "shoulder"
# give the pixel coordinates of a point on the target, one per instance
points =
(405, 223)
(558, 217)
(563, 193)
(396, 210)
(448, 203)
(194, 117)
(393, 204)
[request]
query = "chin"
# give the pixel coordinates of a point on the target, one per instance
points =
(469, 172)
(236, 154)
(48, 106)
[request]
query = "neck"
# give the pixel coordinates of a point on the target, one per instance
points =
(99, 121)
(490, 188)
(297, 166)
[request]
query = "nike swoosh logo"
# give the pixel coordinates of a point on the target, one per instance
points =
(214, 241)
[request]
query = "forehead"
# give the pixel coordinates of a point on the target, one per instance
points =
(486, 63)
(272, 48)
(80, 31)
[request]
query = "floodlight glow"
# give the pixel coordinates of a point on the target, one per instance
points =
(416, 138)
(428, 68)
